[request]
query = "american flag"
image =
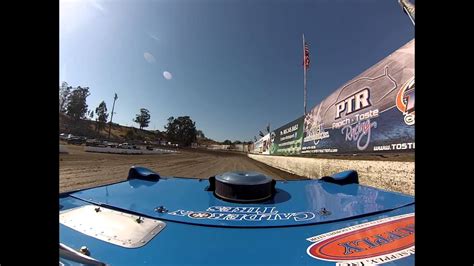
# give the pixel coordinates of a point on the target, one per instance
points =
(306, 56)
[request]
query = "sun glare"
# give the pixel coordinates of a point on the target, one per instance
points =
(75, 13)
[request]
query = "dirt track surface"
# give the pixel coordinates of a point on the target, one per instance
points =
(80, 169)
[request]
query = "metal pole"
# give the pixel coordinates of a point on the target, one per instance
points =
(112, 115)
(304, 67)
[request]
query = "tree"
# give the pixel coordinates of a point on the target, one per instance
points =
(102, 116)
(143, 118)
(76, 103)
(237, 142)
(64, 92)
(200, 134)
(181, 130)
(227, 142)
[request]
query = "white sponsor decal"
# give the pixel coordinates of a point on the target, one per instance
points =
(396, 146)
(244, 214)
(353, 103)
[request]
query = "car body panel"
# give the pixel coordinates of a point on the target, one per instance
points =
(352, 212)
(305, 198)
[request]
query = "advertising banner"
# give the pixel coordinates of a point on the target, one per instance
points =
(374, 112)
(287, 139)
(262, 146)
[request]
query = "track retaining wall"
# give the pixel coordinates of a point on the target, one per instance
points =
(389, 175)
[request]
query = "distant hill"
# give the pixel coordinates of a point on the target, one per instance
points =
(87, 128)
(207, 141)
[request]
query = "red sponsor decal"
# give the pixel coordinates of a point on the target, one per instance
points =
(366, 241)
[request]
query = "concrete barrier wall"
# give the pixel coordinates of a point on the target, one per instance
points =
(235, 147)
(388, 175)
(63, 149)
(125, 151)
(218, 147)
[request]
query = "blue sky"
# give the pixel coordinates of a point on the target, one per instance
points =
(233, 65)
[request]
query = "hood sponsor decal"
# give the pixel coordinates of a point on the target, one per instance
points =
(248, 214)
(375, 242)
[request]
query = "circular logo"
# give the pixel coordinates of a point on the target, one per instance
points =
(409, 119)
(199, 215)
(401, 101)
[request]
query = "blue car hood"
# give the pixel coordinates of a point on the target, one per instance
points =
(302, 202)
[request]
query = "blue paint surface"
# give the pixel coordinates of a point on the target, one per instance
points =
(295, 203)
(188, 241)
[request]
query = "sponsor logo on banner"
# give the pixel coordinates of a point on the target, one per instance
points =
(357, 132)
(357, 128)
(405, 101)
(396, 146)
(288, 138)
(375, 242)
(316, 134)
(353, 103)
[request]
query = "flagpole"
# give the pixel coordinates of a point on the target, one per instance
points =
(304, 70)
